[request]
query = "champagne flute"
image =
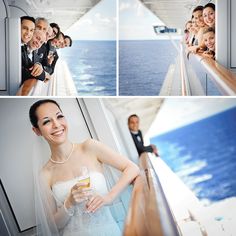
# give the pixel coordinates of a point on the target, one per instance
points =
(84, 177)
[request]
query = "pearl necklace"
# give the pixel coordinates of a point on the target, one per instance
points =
(67, 158)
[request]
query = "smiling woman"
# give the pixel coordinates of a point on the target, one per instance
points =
(72, 207)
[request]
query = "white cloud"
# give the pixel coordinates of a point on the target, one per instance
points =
(138, 31)
(97, 15)
(178, 112)
(85, 22)
(140, 10)
(102, 20)
(124, 6)
(98, 24)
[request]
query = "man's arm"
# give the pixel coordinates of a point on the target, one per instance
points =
(54, 62)
(139, 144)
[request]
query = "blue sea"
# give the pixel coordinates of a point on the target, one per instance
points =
(93, 67)
(143, 66)
(203, 155)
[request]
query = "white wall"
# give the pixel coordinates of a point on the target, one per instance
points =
(226, 33)
(221, 32)
(233, 34)
(3, 15)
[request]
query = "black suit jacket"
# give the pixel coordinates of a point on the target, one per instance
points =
(138, 141)
(27, 63)
(51, 48)
(43, 53)
(54, 61)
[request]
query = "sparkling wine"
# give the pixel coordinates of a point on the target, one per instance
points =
(85, 179)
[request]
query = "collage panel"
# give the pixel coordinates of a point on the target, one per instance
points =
(58, 48)
(117, 118)
(75, 175)
(177, 48)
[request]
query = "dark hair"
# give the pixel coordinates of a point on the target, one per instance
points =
(198, 8)
(131, 116)
(211, 5)
(30, 18)
(55, 25)
(32, 112)
(68, 37)
(210, 29)
(62, 34)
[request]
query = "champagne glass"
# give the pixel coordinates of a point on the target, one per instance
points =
(84, 177)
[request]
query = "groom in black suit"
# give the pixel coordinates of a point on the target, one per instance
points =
(133, 124)
(32, 69)
(28, 63)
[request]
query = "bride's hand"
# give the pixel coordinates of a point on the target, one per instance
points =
(79, 193)
(97, 201)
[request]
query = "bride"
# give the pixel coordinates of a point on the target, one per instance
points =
(67, 205)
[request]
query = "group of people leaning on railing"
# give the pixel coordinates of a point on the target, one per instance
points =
(39, 43)
(200, 31)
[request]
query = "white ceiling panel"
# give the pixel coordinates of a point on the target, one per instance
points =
(145, 108)
(174, 13)
(63, 12)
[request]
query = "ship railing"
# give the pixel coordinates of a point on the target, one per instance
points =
(185, 86)
(214, 78)
(162, 205)
(60, 83)
(149, 213)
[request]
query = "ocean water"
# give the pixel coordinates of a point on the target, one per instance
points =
(203, 155)
(93, 67)
(143, 66)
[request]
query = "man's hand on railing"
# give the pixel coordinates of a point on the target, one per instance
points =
(37, 69)
(155, 150)
(26, 87)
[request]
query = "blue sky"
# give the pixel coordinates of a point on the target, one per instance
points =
(98, 24)
(136, 21)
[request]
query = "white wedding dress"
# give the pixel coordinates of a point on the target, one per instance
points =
(100, 223)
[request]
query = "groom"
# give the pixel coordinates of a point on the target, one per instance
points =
(133, 124)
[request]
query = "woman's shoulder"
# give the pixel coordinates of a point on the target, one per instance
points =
(88, 144)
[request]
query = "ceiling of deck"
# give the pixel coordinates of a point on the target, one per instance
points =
(63, 12)
(174, 13)
(145, 108)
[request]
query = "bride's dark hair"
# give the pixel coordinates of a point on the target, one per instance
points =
(32, 112)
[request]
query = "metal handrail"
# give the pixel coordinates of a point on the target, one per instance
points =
(52, 88)
(224, 79)
(185, 87)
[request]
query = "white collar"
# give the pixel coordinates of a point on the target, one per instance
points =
(134, 132)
